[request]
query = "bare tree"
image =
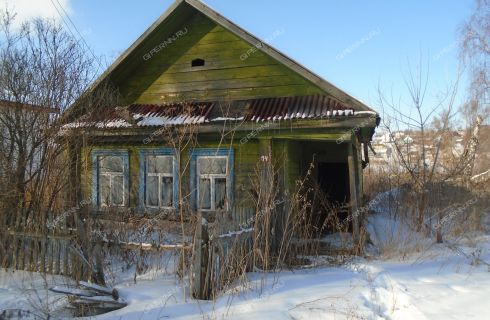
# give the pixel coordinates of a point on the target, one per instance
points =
(419, 152)
(42, 71)
(475, 52)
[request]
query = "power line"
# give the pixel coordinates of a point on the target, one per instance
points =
(65, 14)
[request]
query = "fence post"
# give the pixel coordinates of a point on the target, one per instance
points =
(200, 253)
(98, 277)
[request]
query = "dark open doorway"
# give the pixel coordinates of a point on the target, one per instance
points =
(333, 180)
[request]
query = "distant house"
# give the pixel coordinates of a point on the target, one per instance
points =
(195, 67)
(13, 114)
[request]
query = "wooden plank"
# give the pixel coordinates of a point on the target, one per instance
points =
(199, 280)
(35, 259)
(353, 193)
(66, 258)
(51, 254)
(231, 93)
(185, 73)
(37, 235)
(73, 291)
(97, 288)
(225, 84)
(42, 257)
(231, 65)
(15, 253)
(21, 253)
(3, 251)
(151, 247)
(360, 213)
(102, 300)
(30, 255)
(57, 257)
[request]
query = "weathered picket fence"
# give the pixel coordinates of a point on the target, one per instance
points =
(77, 251)
(220, 251)
(52, 252)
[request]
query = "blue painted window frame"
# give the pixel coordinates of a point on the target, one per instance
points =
(96, 170)
(206, 152)
(143, 153)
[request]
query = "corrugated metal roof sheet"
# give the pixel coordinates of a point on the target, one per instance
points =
(142, 115)
(265, 109)
(173, 114)
(305, 107)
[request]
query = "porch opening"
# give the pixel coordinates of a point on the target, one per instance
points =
(333, 184)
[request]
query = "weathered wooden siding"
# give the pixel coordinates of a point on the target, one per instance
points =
(229, 72)
(293, 166)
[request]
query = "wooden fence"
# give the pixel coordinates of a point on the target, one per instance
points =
(221, 252)
(78, 252)
(52, 253)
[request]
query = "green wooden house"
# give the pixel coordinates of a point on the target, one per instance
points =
(247, 103)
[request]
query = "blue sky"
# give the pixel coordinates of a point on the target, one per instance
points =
(353, 44)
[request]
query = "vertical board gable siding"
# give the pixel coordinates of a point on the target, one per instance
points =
(229, 72)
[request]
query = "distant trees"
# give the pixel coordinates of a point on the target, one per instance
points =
(475, 53)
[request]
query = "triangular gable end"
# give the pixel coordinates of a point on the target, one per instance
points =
(193, 53)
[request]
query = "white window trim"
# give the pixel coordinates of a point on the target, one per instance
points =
(160, 175)
(212, 177)
(111, 175)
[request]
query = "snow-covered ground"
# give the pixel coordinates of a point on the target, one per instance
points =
(438, 284)
(427, 281)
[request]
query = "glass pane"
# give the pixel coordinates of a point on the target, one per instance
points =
(111, 164)
(152, 191)
(104, 190)
(212, 165)
(167, 191)
(220, 190)
(160, 164)
(205, 194)
(117, 191)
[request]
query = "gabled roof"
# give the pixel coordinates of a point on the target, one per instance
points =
(326, 86)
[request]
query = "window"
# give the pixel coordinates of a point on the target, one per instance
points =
(197, 63)
(158, 178)
(110, 178)
(212, 174)
(211, 179)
